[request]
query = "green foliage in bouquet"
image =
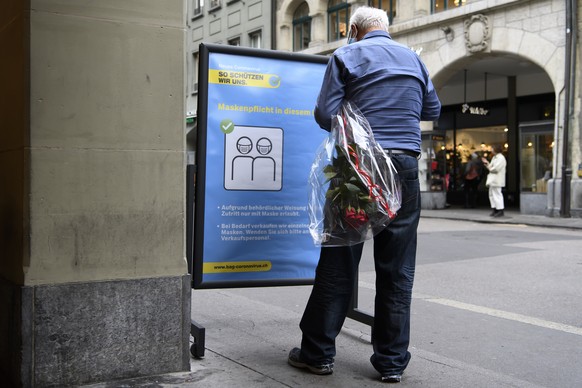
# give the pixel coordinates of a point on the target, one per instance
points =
(348, 197)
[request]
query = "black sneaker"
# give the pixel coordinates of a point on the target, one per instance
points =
(296, 361)
(493, 213)
(499, 213)
(393, 378)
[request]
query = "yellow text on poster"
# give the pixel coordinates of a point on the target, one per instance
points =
(237, 266)
(243, 78)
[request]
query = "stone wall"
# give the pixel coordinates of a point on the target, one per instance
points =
(94, 282)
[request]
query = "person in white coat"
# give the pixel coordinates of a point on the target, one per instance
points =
(496, 180)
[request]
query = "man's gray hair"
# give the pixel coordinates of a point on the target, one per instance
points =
(368, 18)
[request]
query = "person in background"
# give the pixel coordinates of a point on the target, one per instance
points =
(390, 85)
(472, 178)
(496, 180)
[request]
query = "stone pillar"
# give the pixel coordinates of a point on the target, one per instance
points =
(318, 29)
(285, 40)
(93, 279)
(421, 8)
(512, 185)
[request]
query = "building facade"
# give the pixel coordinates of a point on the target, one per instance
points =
(504, 70)
(234, 22)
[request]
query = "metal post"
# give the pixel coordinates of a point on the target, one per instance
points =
(197, 331)
(190, 176)
(357, 314)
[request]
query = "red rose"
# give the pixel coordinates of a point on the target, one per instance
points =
(355, 218)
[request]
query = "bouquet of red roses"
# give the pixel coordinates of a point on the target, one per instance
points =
(355, 190)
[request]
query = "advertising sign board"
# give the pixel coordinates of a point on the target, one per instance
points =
(256, 142)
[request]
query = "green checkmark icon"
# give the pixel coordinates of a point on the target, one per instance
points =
(226, 126)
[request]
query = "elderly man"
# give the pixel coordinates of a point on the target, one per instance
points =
(391, 86)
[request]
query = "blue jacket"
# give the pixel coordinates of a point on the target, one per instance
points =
(388, 82)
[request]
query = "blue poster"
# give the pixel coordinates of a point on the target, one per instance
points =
(257, 140)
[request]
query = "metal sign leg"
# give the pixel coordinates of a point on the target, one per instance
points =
(199, 333)
(357, 314)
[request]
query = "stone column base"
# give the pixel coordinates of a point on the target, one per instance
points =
(80, 333)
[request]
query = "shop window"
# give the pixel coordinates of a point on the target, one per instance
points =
(434, 174)
(460, 144)
(195, 73)
(443, 5)
(255, 39)
(301, 27)
(387, 5)
(536, 152)
(338, 19)
(198, 6)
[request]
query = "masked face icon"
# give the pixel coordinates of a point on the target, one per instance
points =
(264, 146)
(244, 145)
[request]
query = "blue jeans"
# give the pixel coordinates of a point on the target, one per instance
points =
(394, 258)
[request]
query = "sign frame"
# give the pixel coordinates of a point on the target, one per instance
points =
(199, 182)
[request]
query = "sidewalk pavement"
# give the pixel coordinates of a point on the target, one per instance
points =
(259, 360)
(511, 217)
